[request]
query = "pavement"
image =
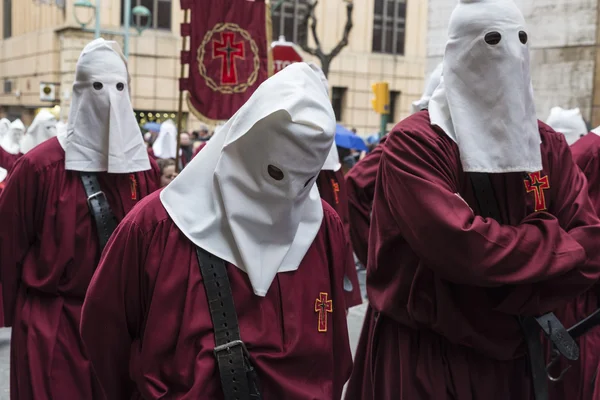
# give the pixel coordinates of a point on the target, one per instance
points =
(355, 320)
(4, 363)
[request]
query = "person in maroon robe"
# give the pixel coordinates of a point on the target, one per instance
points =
(330, 183)
(8, 160)
(332, 189)
(360, 188)
(446, 286)
(48, 238)
(146, 321)
(360, 180)
(581, 381)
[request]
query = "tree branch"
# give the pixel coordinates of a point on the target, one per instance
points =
(347, 29)
(318, 51)
(304, 43)
(313, 25)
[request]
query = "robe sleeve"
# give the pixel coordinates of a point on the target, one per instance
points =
(111, 315)
(441, 228)
(7, 160)
(573, 208)
(339, 256)
(360, 187)
(18, 211)
(590, 165)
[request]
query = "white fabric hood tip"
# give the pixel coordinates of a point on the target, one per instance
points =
(41, 129)
(165, 145)
(102, 132)
(12, 139)
(484, 101)
(568, 122)
(255, 179)
(432, 83)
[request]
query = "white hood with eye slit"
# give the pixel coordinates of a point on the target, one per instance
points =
(484, 101)
(102, 132)
(255, 179)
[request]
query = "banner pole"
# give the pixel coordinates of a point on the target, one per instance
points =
(180, 110)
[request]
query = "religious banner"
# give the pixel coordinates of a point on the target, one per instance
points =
(229, 54)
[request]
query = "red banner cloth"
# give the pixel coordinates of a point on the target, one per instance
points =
(229, 54)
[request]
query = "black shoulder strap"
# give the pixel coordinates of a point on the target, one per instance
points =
(486, 199)
(552, 327)
(106, 223)
(238, 377)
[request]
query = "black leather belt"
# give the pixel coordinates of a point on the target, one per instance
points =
(585, 325)
(106, 223)
(563, 343)
(238, 376)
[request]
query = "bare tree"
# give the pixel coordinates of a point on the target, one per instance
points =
(317, 51)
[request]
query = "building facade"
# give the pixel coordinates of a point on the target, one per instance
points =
(42, 39)
(564, 36)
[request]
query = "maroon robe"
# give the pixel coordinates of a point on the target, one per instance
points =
(49, 248)
(149, 333)
(581, 382)
(333, 190)
(445, 285)
(7, 160)
(151, 153)
(360, 186)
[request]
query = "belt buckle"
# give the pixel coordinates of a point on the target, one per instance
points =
(230, 345)
(95, 195)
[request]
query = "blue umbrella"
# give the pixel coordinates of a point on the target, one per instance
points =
(152, 126)
(348, 140)
(373, 139)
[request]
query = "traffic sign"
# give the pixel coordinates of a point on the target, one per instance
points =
(284, 54)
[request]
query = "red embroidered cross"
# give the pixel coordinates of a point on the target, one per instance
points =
(537, 184)
(133, 187)
(336, 190)
(322, 307)
(228, 51)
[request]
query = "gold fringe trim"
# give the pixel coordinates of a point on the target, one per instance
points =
(269, 27)
(198, 114)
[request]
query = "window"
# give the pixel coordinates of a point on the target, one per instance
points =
(287, 20)
(7, 19)
(160, 9)
(338, 94)
(389, 26)
(394, 97)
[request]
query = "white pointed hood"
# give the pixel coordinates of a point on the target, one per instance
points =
(4, 126)
(102, 132)
(255, 179)
(12, 139)
(432, 83)
(568, 122)
(332, 163)
(485, 98)
(165, 145)
(41, 129)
